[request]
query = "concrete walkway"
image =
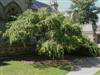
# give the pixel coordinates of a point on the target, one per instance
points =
(85, 66)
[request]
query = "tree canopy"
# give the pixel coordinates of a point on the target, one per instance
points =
(55, 34)
(85, 11)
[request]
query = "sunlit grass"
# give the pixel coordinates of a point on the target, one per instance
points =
(97, 73)
(20, 68)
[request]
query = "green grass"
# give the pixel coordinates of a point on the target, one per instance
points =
(20, 68)
(97, 73)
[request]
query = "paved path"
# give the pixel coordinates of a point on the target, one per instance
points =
(85, 66)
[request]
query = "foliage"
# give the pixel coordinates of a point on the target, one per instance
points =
(90, 47)
(85, 11)
(55, 34)
(58, 35)
(54, 5)
(52, 48)
(20, 29)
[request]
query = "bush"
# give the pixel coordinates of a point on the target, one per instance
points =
(52, 49)
(55, 34)
(86, 48)
(91, 48)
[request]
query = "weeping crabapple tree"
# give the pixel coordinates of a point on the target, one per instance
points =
(55, 33)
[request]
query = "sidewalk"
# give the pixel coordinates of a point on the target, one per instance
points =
(88, 66)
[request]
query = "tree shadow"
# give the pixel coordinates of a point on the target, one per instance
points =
(3, 64)
(38, 62)
(46, 66)
(87, 62)
(69, 62)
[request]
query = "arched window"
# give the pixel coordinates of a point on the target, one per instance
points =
(12, 9)
(12, 12)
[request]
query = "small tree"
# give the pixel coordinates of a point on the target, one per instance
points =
(55, 34)
(85, 11)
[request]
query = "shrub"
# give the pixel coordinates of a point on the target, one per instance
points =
(55, 34)
(52, 49)
(21, 29)
(91, 48)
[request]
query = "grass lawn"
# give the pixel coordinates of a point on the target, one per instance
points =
(97, 73)
(21, 68)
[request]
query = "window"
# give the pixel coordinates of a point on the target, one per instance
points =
(12, 9)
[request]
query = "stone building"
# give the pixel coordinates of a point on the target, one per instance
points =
(13, 7)
(87, 31)
(10, 8)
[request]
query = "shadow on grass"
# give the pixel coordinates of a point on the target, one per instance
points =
(38, 62)
(86, 62)
(44, 62)
(4, 64)
(45, 66)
